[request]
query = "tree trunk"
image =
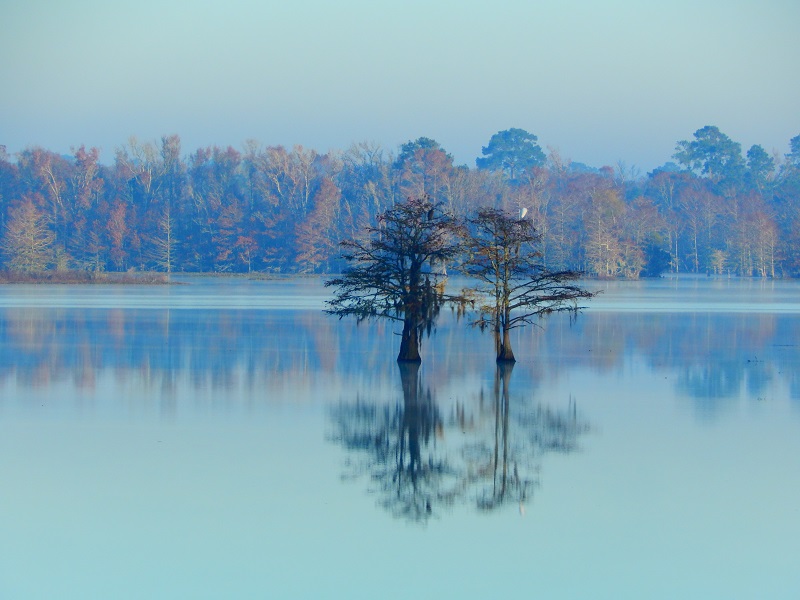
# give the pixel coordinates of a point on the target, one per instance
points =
(505, 353)
(409, 343)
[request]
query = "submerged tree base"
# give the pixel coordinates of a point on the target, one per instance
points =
(502, 345)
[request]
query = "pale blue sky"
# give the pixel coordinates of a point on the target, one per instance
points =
(600, 81)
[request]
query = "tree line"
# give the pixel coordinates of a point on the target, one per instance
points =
(712, 210)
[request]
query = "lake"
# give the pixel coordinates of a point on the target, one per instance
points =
(224, 438)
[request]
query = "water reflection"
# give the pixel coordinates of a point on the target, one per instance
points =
(711, 358)
(144, 441)
(486, 454)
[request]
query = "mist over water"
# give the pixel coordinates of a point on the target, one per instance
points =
(228, 439)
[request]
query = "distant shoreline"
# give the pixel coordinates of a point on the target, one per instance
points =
(131, 278)
(84, 277)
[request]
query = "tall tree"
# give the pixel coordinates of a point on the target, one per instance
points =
(118, 231)
(700, 212)
(27, 243)
(514, 289)
(793, 158)
(665, 187)
(217, 192)
(366, 183)
(648, 233)
(142, 166)
(82, 191)
(787, 209)
(511, 151)
(760, 168)
(713, 154)
(317, 234)
(397, 273)
(45, 175)
(163, 243)
(604, 224)
(283, 183)
(423, 168)
(9, 183)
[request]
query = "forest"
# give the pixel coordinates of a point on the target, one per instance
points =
(711, 210)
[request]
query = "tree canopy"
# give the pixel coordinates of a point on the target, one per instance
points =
(511, 151)
(413, 149)
(397, 271)
(514, 288)
(711, 153)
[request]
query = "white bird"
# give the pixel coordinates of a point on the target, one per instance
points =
(522, 213)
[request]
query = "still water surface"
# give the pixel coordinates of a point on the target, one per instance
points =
(225, 439)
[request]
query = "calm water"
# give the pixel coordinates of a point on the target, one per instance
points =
(225, 439)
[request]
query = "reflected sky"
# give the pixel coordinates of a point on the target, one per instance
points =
(163, 339)
(163, 444)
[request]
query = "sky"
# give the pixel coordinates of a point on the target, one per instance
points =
(602, 82)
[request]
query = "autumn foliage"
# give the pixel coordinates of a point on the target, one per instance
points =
(715, 210)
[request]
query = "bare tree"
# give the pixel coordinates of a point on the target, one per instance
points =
(164, 242)
(513, 287)
(397, 272)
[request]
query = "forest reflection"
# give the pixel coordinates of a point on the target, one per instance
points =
(713, 356)
(485, 452)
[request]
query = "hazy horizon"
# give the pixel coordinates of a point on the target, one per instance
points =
(621, 81)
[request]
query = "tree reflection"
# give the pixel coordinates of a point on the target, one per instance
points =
(393, 446)
(486, 454)
(503, 487)
(513, 456)
(713, 359)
